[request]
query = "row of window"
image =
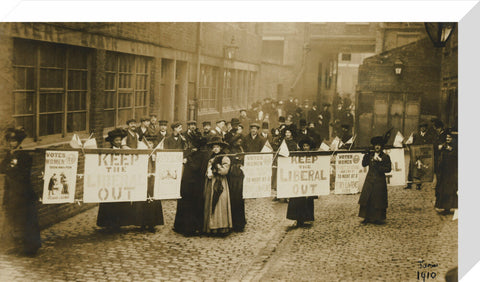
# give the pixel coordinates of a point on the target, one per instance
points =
(238, 88)
(52, 87)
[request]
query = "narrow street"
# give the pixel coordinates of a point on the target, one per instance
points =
(335, 248)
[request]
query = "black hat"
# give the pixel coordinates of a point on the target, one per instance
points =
(217, 140)
(235, 121)
(303, 122)
(17, 134)
(377, 140)
(206, 123)
(144, 119)
(438, 123)
(306, 140)
(423, 124)
(163, 122)
(117, 132)
(326, 104)
(243, 110)
(264, 125)
(191, 122)
(281, 119)
(175, 125)
(254, 124)
(219, 121)
(130, 121)
(153, 115)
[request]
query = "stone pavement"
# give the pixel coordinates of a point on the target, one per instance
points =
(335, 248)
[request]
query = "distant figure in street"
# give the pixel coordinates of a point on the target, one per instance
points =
(447, 185)
(301, 209)
(21, 228)
(374, 198)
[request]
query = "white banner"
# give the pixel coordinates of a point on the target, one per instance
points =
(397, 176)
(348, 167)
(60, 177)
(257, 169)
(115, 177)
(168, 175)
(303, 175)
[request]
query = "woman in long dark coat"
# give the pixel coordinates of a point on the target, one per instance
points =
(374, 198)
(114, 215)
(189, 216)
(235, 182)
(19, 198)
(446, 194)
(301, 209)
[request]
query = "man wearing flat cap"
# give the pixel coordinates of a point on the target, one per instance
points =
(162, 133)
(192, 132)
(253, 142)
(176, 140)
(131, 140)
(207, 130)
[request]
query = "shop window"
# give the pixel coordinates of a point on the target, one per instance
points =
(126, 88)
(227, 88)
(208, 88)
(51, 88)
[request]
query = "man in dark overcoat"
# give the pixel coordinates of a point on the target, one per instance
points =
(253, 142)
(176, 140)
(374, 198)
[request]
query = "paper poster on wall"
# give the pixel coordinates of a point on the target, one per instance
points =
(257, 169)
(168, 175)
(301, 175)
(115, 177)
(60, 177)
(348, 167)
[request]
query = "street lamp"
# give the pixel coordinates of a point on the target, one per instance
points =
(398, 67)
(439, 33)
(230, 50)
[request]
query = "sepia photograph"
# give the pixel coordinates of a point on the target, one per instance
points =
(229, 151)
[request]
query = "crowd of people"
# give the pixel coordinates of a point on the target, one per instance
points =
(212, 182)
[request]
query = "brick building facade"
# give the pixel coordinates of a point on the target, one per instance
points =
(57, 79)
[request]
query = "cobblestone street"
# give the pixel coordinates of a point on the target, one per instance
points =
(336, 247)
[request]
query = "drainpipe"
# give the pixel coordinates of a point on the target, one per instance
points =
(194, 103)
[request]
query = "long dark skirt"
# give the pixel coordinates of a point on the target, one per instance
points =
(300, 209)
(23, 231)
(237, 203)
(115, 214)
(149, 213)
(369, 212)
(189, 216)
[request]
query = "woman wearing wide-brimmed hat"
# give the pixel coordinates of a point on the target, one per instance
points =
(217, 209)
(301, 209)
(447, 187)
(19, 200)
(374, 198)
